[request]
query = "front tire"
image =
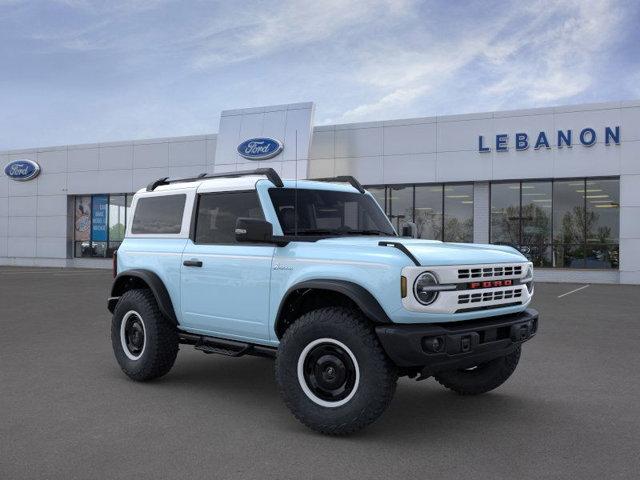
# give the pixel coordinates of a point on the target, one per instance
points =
(332, 372)
(145, 344)
(482, 378)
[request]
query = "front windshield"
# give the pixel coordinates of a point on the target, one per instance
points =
(328, 213)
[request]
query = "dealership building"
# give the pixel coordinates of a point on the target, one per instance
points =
(561, 184)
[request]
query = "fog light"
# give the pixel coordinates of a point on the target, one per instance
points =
(433, 344)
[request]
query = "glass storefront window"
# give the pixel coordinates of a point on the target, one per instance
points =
(458, 213)
(400, 202)
(100, 223)
(428, 211)
(505, 214)
(536, 213)
(603, 223)
(564, 223)
(569, 223)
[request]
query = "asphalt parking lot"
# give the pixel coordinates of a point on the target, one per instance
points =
(571, 410)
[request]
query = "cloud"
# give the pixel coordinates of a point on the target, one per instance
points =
(541, 53)
(287, 25)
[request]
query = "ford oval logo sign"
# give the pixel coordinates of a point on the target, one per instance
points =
(22, 170)
(260, 148)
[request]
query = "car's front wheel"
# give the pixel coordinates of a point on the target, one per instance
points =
(145, 344)
(332, 371)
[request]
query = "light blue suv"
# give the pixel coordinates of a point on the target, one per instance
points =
(313, 274)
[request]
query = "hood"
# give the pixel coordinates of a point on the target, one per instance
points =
(434, 253)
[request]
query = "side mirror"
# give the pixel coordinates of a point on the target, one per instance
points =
(410, 230)
(253, 230)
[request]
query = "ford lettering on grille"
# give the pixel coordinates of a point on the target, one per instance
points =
(490, 284)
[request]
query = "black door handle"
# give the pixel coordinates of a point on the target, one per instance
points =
(192, 263)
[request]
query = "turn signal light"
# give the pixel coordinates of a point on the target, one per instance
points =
(403, 286)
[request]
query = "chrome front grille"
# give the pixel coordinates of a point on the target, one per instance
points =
(479, 297)
(490, 272)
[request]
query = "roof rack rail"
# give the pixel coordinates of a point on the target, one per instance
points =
(343, 179)
(270, 173)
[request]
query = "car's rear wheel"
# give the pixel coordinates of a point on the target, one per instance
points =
(481, 378)
(332, 371)
(145, 344)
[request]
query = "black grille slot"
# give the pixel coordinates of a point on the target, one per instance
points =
(490, 272)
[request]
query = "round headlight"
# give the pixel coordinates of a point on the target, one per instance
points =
(529, 280)
(424, 290)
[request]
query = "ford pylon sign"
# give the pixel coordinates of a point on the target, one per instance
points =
(22, 170)
(260, 148)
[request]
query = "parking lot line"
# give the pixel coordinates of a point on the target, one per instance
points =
(573, 291)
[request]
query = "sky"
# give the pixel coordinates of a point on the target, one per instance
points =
(80, 71)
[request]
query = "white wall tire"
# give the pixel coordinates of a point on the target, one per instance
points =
(367, 392)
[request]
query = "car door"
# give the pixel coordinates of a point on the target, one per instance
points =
(225, 284)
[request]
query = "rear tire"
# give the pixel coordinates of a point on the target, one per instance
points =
(332, 372)
(145, 344)
(482, 378)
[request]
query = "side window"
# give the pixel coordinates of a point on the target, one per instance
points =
(159, 215)
(218, 212)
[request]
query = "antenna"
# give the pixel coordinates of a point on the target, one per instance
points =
(295, 199)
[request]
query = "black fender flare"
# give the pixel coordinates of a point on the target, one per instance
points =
(363, 299)
(151, 281)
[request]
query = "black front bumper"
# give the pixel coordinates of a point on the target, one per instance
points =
(450, 346)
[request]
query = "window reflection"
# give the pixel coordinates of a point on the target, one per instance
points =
(400, 201)
(564, 223)
(458, 213)
(536, 212)
(428, 211)
(505, 214)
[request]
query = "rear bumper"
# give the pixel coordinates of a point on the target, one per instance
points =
(449, 346)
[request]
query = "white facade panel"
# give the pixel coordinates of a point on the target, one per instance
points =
(21, 246)
(358, 142)
(188, 153)
(151, 155)
(117, 157)
(404, 168)
(51, 247)
(322, 145)
(409, 139)
(22, 206)
(53, 161)
(83, 159)
(22, 227)
(52, 183)
(51, 205)
(368, 170)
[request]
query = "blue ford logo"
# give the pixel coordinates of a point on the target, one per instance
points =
(260, 148)
(22, 170)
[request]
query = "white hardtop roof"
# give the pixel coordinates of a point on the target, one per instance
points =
(245, 183)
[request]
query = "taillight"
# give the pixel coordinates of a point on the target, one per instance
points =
(114, 266)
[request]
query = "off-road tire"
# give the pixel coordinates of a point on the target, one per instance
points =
(377, 375)
(484, 378)
(160, 341)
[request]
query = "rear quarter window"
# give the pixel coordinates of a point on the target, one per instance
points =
(159, 215)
